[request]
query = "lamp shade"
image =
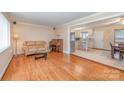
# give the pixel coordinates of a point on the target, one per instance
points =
(16, 36)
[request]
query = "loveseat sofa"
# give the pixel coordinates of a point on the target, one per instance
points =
(33, 47)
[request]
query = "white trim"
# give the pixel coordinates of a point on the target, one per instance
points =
(66, 52)
(5, 67)
(77, 20)
(94, 17)
(3, 71)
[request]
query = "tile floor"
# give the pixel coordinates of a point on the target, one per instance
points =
(101, 56)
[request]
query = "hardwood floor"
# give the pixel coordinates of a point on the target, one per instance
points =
(59, 66)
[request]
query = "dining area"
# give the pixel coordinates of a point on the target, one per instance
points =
(117, 48)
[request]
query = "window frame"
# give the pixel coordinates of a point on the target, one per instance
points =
(9, 35)
(115, 34)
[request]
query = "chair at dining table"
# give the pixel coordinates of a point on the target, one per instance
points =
(114, 49)
(121, 51)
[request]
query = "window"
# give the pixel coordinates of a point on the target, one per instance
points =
(4, 33)
(85, 35)
(119, 36)
(84, 40)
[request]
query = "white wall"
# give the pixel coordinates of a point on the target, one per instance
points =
(5, 57)
(63, 32)
(32, 32)
(108, 34)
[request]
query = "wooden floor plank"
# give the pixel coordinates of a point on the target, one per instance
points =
(59, 66)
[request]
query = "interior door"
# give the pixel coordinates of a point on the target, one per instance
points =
(72, 42)
(98, 39)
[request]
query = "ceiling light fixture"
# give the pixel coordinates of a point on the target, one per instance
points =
(122, 21)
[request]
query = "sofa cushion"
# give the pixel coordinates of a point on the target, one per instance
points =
(36, 47)
(36, 50)
(29, 43)
(40, 43)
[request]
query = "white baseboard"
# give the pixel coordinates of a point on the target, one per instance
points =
(66, 52)
(5, 67)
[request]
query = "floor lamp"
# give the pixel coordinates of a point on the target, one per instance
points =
(15, 40)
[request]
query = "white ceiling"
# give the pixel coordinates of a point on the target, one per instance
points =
(48, 18)
(107, 22)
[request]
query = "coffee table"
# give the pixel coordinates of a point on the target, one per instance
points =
(41, 55)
